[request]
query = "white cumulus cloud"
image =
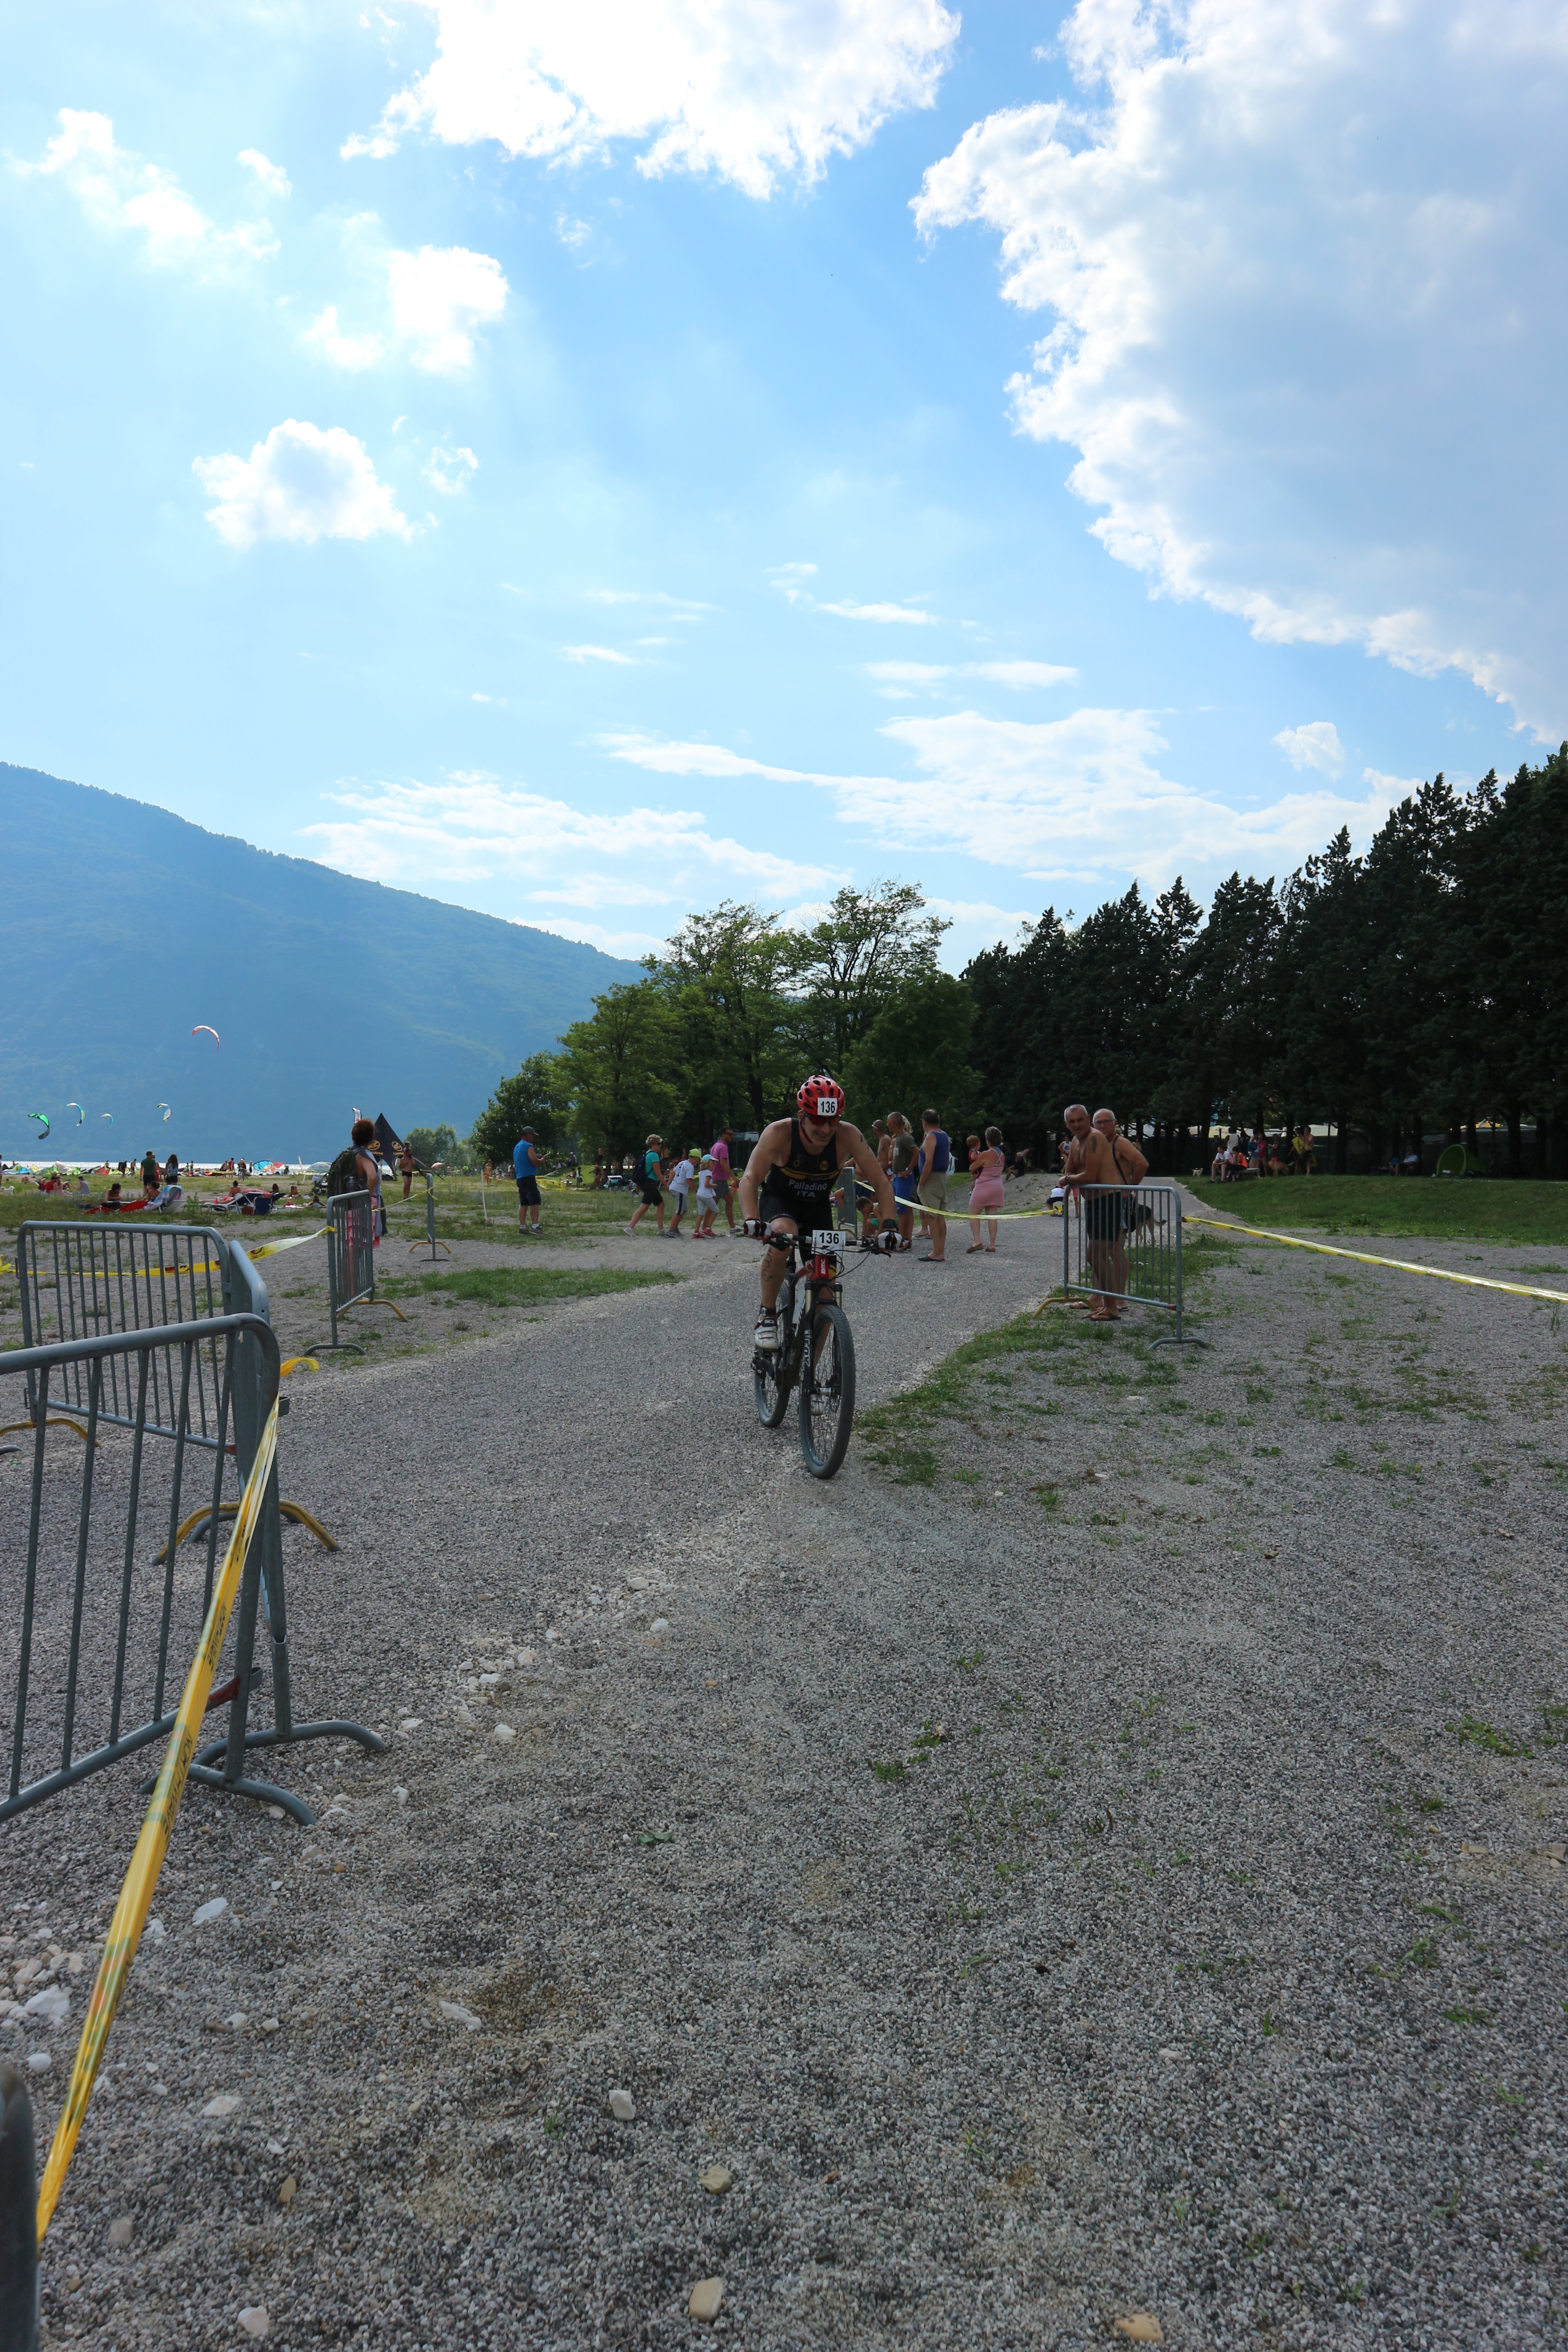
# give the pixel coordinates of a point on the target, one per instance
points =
(436, 299)
(119, 191)
(439, 296)
(754, 94)
(1307, 279)
(300, 483)
(271, 178)
(1316, 745)
(1079, 799)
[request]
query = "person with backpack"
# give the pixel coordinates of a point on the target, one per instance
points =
(648, 1170)
(935, 1166)
(527, 1159)
(358, 1170)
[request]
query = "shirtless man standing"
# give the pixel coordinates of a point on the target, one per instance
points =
(1104, 1164)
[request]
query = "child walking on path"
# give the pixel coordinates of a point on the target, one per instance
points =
(681, 1178)
(707, 1200)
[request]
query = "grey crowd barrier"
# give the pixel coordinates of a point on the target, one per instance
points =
(95, 1639)
(1123, 1243)
(350, 1258)
(19, 2216)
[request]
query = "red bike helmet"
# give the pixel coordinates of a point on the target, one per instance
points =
(822, 1098)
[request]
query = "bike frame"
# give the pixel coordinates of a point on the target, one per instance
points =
(821, 1279)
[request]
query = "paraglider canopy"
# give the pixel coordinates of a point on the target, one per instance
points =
(80, 1114)
(167, 1111)
(204, 1029)
(44, 1116)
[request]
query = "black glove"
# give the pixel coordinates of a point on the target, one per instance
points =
(753, 1228)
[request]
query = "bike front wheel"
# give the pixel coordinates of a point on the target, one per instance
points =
(828, 1392)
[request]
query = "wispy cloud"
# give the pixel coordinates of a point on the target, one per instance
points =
(470, 827)
(270, 177)
(1020, 675)
(790, 580)
(119, 191)
(597, 653)
(1079, 798)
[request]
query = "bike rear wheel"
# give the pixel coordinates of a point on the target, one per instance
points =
(770, 1371)
(828, 1392)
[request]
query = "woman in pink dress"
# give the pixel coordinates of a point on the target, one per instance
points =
(985, 1192)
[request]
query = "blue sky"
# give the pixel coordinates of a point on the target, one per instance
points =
(585, 463)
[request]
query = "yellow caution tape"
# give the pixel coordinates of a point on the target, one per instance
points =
(142, 1877)
(294, 1363)
(1365, 1257)
(295, 1241)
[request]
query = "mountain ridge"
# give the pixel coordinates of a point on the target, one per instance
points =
(127, 925)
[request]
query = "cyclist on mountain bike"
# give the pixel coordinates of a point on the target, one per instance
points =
(790, 1177)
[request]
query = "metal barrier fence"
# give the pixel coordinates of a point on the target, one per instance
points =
(89, 1629)
(350, 1258)
(1124, 1243)
(18, 2217)
(82, 1281)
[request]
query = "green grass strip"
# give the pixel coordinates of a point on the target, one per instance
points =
(1491, 1209)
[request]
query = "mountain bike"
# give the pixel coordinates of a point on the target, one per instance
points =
(825, 1371)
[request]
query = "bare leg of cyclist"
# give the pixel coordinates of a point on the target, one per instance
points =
(773, 1263)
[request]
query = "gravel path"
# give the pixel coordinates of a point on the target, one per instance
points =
(1101, 1855)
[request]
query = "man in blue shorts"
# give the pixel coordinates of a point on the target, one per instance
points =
(527, 1159)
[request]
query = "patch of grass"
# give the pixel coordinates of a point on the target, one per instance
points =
(1478, 1734)
(1482, 1210)
(892, 1769)
(1467, 2016)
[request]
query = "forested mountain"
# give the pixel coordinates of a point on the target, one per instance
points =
(124, 927)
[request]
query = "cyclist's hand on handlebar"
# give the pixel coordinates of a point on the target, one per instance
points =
(754, 1228)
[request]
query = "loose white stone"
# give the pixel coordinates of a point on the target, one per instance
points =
(254, 2319)
(706, 2297)
(526, 1657)
(274, 2147)
(223, 2105)
(154, 1931)
(52, 2005)
(459, 2015)
(269, 2025)
(120, 2230)
(622, 2106)
(639, 1583)
(552, 1635)
(38, 2062)
(204, 1912)
(401, 1795)
(716, 2179)
(159, 2090)
(275, 1813)
(461, 1715)
(412, 1723)
(239, 2021)
(504, 1732)
(659, 1626)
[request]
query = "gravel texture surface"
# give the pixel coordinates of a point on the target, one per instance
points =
(1101, 1855)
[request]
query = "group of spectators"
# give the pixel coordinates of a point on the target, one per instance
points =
(1239, 1155)
(707, 1178)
